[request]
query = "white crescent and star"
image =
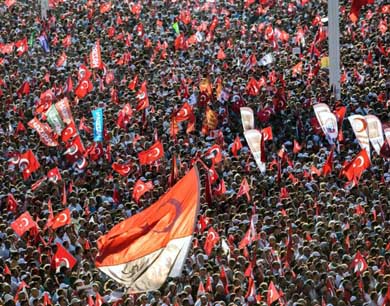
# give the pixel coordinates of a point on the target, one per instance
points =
(360, 159)
(62, 217)
(154, 153)
(24, 222)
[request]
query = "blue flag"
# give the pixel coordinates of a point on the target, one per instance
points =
(97, 115)
(44, 43)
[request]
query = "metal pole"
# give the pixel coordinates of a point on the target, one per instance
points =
(334, 47)
(44, 8)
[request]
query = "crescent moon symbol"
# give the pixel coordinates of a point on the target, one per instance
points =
(24, 222)
(357, 125)
(155, 152)
(140, 188)
(211, 235)
(177, 205)
(62, 217)
(361, 159)
(66, 261)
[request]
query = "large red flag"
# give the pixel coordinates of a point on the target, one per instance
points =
(145, 249)
(62, 219)
(328, 165)
(354, 169)
(28, 163)
(140, 188)
(23, 223)
(62, 256)
(272, 294)
(54, 175)
(355, 8)
(155, 152)
(212, 239)
(142, 97)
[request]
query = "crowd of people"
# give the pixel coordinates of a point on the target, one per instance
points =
(309, 226)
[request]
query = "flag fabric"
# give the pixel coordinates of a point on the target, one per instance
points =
(155, 152)
(28, 164)
(211, 119)
(212, 239)
(124, 116)
(23, 223)
(244, 189)
(327, 121)
(44, 43)
(297, 147)
(21, 46)
(267, 133)
(360, 129)
(145, 249)
(63, 258)
(64, 111)
(44, 131)
(96, 56)
(215, 154)
(97, 115)
(12, 204)
(122, 169)
(355, 8)
(140, 188)
(62, 219)
(328, 165)
(253, 138)
(237, 145)
(375, 132)
(133, 83)
(24, 89)
(54, 175)
(354, 169)
(247, 118)
(358, 263)
(69, 132)
(83, 88)
(272, 294)
(54, 119)
(142, 97)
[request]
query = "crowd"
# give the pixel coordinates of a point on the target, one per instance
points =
(309, 226)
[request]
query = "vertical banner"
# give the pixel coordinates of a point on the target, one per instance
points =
(97, 115)
(328, 121)
(247, 118)
(386, 130)
(63, 109)
(375, 133)
(95, 56)
(359, 127)
(253, 138)
(54, 119)
(44, 131)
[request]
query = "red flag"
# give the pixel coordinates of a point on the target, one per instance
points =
(83, 88)
(62, 219)
(63, 256)
(133, 83)
(174, 172)
(38, 183)
(140, 188)
(297, 147)
(355, 168)
(23, 223)
(69, 132)
(28, 163)
(184, 113)
(385, 9)
(201, 289)
(355, 8)
(211, 119)
(61, 61)
(297, 69)
(328, 165)
(160, 236)
(64, 197)
(221, 54)
(20, 127)
(54, 175)
(124, 116)
(237, 145)
(75, 149)
(21, 46)
(212, 239)
(122, 169)
(67, 41)
(155, 152)
(359, 264)
(272, 294)
(142, 97)
(221, 188)
(24, 89)
(340, 114)
(249, 236)
(385, 150)
(95, 55)
(44, 131)
(7, 271)
(253, 87)
(12, 204)
(215, 154)
(267, 133)
(83, 73)
(45, 101)
(244, 189)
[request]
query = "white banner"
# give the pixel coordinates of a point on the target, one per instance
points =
(327, 121)
(359, 127)
(375, 133)
(247, 118)
(253, 138)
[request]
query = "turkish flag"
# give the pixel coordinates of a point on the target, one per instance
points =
(62, 256)
(21, 46)
(355, 8)
(23, 223)
(28, 164)
(54, 175)
(142, 97)
(184, 113)
(62, 219)
(105, 7)
(328, 165)
(61, 61)
(212, 239)
(215, 154)
(24, 89)
(156, 239)
(297, 147)
(253, 87)
(133, 83)
(237, 145)
(221, 54)
(38, 183)
(249, 236)
(69, 132)
(244, 189)
(83, 88)
(272, 294)
(122, 169)
(67, 41)
(75, 149)
(45, 101)
(340, 114)
(155, 152)
(140, 188)
(359, 264)
(220, 189)
(355, 167)
(83, 73)
(12, 204)
(267, 133)
(124, 116)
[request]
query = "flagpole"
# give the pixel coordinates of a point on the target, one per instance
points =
(334, 47)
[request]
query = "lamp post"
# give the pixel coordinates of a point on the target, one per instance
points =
(334, 47)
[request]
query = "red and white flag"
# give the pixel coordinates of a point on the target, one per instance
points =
(237, 145)
(122, 169)
(267, 133)
(155, 152)
(63, 257)
(54, 175)
(84, 87)
(28, 164)
(354, 169)
(272, 294)
(147, 248)
(12, 204)
(212, 239)
(142, 97)
(69, 132)
(62, 219)
(140, 188)
(359, 264)
(44, 131)
(215, 154)
(23, 223)
(96, 56)
(244, 189)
